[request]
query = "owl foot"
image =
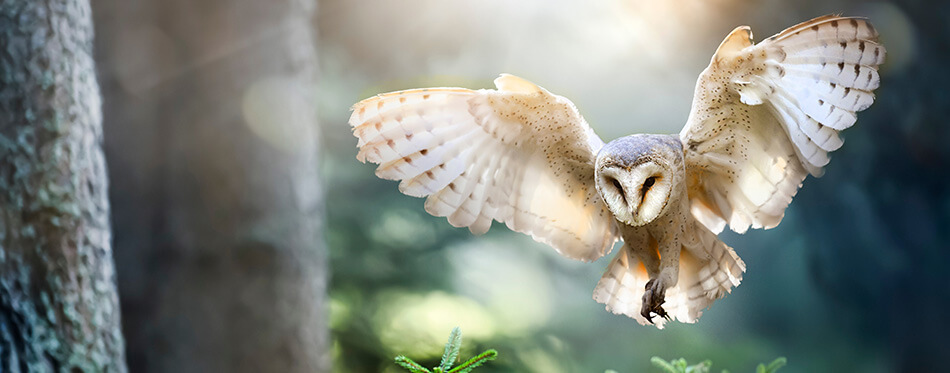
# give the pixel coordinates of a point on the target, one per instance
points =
(653, 299)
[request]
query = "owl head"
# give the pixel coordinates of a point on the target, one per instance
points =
(636, 176)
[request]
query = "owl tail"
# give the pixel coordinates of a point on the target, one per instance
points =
(708, 271)
(817, 75)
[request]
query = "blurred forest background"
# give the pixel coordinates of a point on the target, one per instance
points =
(247, 237)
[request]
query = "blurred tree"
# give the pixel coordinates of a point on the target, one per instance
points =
(58, 303)
(212, 132)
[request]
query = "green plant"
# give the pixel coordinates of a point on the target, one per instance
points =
(680, 366)
(448, 357)
(772, 367)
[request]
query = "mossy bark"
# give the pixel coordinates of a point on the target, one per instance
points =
(217, 217)
(59, 309)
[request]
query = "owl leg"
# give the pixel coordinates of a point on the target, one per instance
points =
(664, 271)
(652, 300)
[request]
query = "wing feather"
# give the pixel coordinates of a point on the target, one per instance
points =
(766, 115)
(519, 155)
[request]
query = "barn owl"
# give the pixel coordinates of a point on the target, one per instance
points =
(763, 117)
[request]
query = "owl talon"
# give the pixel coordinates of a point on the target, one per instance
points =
(653, 299)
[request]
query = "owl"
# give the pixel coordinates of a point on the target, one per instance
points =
(763, 117)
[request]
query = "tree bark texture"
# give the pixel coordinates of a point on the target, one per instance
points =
(59, 310)
(217, 207)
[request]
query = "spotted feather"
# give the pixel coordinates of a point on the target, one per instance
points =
(766, 115)
(518, 155)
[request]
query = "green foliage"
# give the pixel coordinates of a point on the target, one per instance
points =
(772, 367)
(451, 349)
(680, 366)
(451, 354)
(410, 365)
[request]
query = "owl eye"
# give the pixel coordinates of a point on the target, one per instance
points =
(619, 187)
(647, 184)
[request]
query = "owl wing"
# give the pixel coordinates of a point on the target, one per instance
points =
(766, 115)
(519, 155)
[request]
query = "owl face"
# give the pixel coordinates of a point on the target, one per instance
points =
(636, 176)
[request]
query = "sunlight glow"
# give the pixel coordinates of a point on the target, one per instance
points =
(417, 324)
(279, 110)
(897, 32)
(510, 281)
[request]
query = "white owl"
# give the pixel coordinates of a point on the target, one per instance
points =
(763, 117)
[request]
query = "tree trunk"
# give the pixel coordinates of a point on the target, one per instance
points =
(59, 310)
(216, 196)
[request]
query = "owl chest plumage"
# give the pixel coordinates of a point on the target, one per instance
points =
(667, 231)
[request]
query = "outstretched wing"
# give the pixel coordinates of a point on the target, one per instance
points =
(766, 115)
(519, 155)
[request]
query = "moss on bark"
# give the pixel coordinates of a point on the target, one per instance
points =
(58, 301)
